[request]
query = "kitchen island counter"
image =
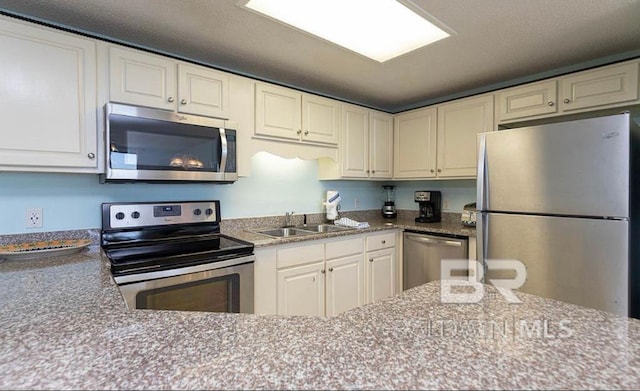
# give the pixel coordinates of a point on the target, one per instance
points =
(64, 325)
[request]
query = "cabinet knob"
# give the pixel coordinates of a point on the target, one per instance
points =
(373, 172)
(432, 171)
(184, 101)
(567, 100)
(550, 103)
(330, 269)
(367, 171)
(384, 241)
(299, 131)
(91, 155)
(370, 259)
(306, 132)
(170, 99)
(439, 169)
(322, 271)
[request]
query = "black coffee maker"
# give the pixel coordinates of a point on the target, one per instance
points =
(429, 206)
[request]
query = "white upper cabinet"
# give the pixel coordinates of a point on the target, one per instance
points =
(366, 146)
(48, 94)
(414, 154)
(459, 122)
(144, 79)
(380, 145)
(286, 114)
(600, 88)
(527, 101)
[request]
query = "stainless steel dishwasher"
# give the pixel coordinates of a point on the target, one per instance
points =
(422, 253)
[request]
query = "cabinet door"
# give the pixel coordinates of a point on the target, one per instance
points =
(320, 119)
(301, 290)
(278, 112)
(141, 79)
(203, 91)
(527, 101)
(380, 145)
(600, 87)
(415, 144)
(345, 284)
(381, 274)
(48, 100)
(458, 125)
(355, 142)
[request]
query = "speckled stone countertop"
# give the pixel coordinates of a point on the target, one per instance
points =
(63, 325)
(245, 228)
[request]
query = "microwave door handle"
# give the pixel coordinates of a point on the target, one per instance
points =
(223, 154)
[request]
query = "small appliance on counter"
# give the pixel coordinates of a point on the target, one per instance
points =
(389, 207)
(469, 215)
(429, 206)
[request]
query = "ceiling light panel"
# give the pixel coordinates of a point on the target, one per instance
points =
(378, 29)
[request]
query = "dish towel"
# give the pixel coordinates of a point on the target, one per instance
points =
(347, 222)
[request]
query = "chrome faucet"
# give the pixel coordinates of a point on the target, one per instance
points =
(287, 219)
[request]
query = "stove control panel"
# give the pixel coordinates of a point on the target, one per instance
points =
(122, 215)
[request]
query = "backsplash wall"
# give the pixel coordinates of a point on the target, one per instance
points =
(276, 186)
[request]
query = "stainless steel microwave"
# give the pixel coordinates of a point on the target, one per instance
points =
(150, 145)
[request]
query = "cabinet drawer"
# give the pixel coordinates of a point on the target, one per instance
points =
(343, 248)
(293, 256)
(377, 242)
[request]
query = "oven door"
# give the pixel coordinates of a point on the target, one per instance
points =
(225, 286)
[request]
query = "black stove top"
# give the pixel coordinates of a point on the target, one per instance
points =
(148, 237)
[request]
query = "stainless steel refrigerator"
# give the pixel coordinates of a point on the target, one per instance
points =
(557, 198)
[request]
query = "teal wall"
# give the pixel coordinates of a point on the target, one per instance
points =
(276, 185)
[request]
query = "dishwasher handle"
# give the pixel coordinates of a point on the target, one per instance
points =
(430, 240)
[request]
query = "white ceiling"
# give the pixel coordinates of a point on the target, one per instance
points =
(497, 43)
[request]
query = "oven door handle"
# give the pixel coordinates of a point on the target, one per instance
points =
(145, 276)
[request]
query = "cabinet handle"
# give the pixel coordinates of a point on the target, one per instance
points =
(567, 100)
(322, 271)
(550, 103)
(299, 131)
(370, 259)
(330, 269)
(170, 99)
(91, 155)
(184, 101)
(306, 132)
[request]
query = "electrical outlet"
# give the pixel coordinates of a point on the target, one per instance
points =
(356, 203)
(445, 204)
(34, 218)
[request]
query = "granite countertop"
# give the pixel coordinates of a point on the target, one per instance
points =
(376, 223)
(63, 325)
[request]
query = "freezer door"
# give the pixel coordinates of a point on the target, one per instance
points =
(576, 260)
(578, 168)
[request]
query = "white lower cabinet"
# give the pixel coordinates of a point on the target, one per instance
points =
(325, 277)
(381, 273)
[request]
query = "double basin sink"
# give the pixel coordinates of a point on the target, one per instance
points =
(284, 232)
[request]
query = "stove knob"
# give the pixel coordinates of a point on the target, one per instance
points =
(197, 212)
(209, 211)
(119, 215)
(135, 214)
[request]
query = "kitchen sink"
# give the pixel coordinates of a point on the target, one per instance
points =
(324, 228)
(284, 232)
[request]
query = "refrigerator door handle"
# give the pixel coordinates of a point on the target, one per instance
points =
(481, 186)
(483, 235)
